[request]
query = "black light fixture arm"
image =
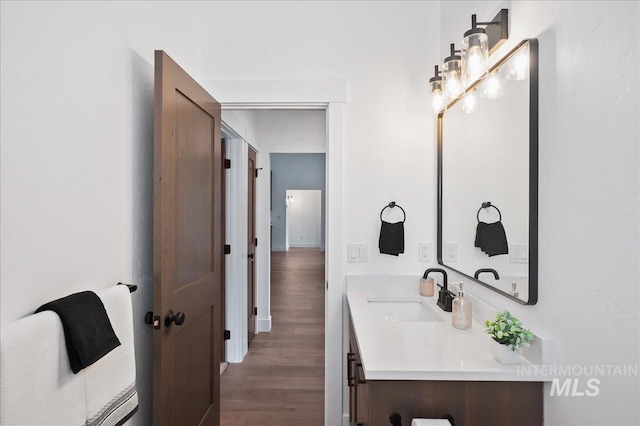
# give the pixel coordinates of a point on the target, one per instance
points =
(497, 29)
(475, 23)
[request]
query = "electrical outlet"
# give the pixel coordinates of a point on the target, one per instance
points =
(424, 252)
(451, 252)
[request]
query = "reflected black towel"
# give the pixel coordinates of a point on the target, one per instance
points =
(492, 238)
(88, 333)
(391, 238)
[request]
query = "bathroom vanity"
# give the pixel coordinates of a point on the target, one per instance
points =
(405, 357)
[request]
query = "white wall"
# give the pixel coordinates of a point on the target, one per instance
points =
(588, 195)
(69, 188)
(77, 150)
(291, 131)
(76, 135)
(304, 212)
(385, 50)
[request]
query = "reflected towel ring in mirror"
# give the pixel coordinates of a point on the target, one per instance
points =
(390, 206)
(486, 205)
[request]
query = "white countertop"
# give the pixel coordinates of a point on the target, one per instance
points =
(423, 350)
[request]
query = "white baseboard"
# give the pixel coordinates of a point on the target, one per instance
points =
(305, 245)
(345, 419)
(264, 325)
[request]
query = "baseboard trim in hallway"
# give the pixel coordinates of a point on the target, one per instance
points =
(281, 380)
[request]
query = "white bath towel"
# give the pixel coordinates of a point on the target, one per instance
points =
(111, 391)
(37, 386)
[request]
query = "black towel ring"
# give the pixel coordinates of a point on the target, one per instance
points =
(392, 205)
(486, 205)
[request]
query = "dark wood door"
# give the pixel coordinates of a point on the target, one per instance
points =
(187, 249)
(251, 247)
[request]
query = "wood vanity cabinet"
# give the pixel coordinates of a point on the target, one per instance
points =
(470, 403)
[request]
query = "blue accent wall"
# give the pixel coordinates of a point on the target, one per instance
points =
(293, 171)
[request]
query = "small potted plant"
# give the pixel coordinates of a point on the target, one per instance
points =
(510, 336)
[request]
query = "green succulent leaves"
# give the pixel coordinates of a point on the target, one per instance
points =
(508, 330)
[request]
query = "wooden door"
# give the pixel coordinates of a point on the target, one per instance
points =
(251, 244)
(187, 250)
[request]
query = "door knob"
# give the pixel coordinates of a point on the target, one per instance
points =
(251, 256)
(177, 318)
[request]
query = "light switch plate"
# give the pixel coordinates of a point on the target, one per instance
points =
(357, 253)
(518, 253)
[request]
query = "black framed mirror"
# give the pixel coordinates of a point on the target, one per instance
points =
(488, 178)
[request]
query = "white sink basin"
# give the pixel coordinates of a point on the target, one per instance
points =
(402, 309)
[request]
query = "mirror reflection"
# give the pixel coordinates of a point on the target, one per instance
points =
(488, 223)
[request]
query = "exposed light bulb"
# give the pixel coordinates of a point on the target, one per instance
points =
(476, 65)
(469, 102)
(439, 102)
(475, 55)
(492, 87)
(519, 66)
(452, 75)
(438, 98)
(453, 87)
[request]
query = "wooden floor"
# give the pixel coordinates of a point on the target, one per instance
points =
(281, 380)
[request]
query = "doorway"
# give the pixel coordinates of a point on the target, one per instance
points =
(285, 363)
(304, 218)
(329, 96)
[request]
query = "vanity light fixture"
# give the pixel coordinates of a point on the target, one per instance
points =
(439, 101)
(472, 65)
(478, 43)
(452, 75)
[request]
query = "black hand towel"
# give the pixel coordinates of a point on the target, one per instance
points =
(479, 232)
(492, 238)
(391, 238)
(88, 333)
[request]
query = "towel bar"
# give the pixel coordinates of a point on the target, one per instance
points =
(131, 287)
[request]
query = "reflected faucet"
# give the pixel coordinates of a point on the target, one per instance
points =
(445, 297)
(492, 271)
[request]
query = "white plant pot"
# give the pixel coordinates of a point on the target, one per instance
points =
(504, 355)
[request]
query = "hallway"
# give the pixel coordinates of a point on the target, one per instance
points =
(281, 380)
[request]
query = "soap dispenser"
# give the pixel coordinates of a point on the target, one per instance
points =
(461, 317)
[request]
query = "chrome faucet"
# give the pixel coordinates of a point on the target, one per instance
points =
(489, 270)
(445, 297)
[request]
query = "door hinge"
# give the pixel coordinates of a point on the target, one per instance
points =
(255, 310)
(256, 242)
(227, 335)
(227, 249)
(256, 172)
(227, 163)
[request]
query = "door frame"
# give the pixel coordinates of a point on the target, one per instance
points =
(331, 96)
(252, 177)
